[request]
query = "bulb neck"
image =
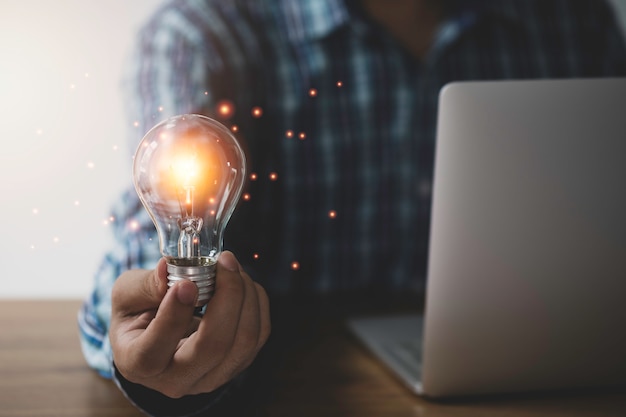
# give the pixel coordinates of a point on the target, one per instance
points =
(202, 275)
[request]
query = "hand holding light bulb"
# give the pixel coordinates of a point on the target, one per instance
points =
(158, 342)
(189, 172)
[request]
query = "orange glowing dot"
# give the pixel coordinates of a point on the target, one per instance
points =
(246, 197)
(257, 112)
(332, 214)
(225, 108)
(313, 92)
(212, 212)
(339, 84)
(273, 176)
(253, 176)
(234, 128)
(295, 265)
(211, 200)
(134, 225)
(302, 135)
(289, 134)
(255, 256)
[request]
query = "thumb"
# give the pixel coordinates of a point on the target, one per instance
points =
(139, 290)
(158, 343)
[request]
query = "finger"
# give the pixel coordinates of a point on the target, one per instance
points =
(154, 348)
(139, 290)
(247, 333)
(265, 316)
(216, 332)
(251, 335)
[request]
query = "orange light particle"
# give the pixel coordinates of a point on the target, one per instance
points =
(289, 134)
(253, 176)
(339, 84)
(257, 112)
(234, 128)
(255, 256)
(246, 197)
(273, 176)
(225, 109)
(302, 136)
(332, 214)
(295, 265)
(313, 92)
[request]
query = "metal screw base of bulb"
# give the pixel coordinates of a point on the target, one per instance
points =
(203, 276)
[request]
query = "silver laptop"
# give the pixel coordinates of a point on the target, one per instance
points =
(527, 268)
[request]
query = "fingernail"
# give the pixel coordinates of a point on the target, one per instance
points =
(186, 293)
(228, 261)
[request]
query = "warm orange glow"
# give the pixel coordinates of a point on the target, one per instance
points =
(257, 112)
(255, 256)
(189, 171)
(253, 176)
(185, 171)
(332, 214)
(313, 92)
(339, 84)
(302, 135)
(295, 265)
(273, 176)
(289, 134)
(246, 197)
(226, 109)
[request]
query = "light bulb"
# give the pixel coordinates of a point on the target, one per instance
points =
(189, 172)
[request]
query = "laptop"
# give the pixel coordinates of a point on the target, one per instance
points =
(526, 284)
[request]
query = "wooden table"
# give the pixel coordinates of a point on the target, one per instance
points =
(325, 373)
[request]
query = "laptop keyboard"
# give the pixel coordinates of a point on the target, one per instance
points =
(409, 353)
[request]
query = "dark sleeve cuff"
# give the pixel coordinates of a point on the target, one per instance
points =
(156, 404)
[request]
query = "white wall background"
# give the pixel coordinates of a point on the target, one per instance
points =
(63, 154)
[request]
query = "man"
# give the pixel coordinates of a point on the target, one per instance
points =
(335, 101)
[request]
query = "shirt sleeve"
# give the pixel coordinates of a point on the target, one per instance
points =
(135, 246)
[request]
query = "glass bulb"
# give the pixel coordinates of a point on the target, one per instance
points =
(189, 172)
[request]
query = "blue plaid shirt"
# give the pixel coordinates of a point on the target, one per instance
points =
(342, 155)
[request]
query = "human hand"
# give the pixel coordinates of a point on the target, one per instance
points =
(159, 343)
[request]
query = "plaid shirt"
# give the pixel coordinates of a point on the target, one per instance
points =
(342, 155)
